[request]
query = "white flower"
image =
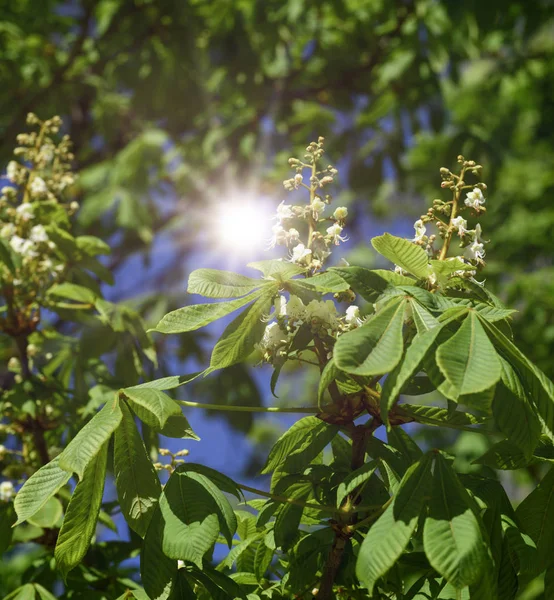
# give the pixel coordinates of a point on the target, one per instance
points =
(340, 213)
(398, 269)
(273, 338)
(23, 247)
(38, 234)
(46, 153)
(180, 564)
(322, 313)
(301, 255)
(475, 199)
(420, 230)
(352, 317)
(317, 207)
(7, 230)
(296, 309)
(292, 236)
(335, 233)
(284, 211)
(12, 170)
(478, 233)
(297, 180)
(460, 224)
(25, 211)
(279, 236)
(7, 491)
(38, 187)
(475, 252)
(280, 305)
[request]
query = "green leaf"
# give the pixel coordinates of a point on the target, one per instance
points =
(513, 413)
(540, 389)
(468, 360)
(193, 510)
(241, 335)
(277, 269)
(138, 486)
(211, 283)
(492, 313)
(151, 405)
(48, 515)
(158, 572)
(177, 426)
(452, 536)
(405, 254)
(536, 515)
(504, 455)
(43, 593)
(423, 319)
(39, 488)
(376, 347)
(262, 560)
(390, 534)
(218, 585)
(408, 367)
(287, 521)
(298, 446)
(25, 592)
(368, 284)
(190, 318)
(329, 374)
(329, 282)
(81, 516)
(89, 441)
(441, 417)
(7, 521)
(72, 291)
(167, 383)
(355, 479)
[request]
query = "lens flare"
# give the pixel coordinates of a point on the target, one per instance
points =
(242, 226)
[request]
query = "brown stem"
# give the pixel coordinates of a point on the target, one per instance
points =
(343, 532)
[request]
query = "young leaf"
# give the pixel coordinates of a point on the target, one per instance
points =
(390, 534)
(221, 284)
(536, 515)
(468, 360)
(151, 405)
(405, 254)
(452, 536)
(81, 516)
(354, 479)
(72, 291)
(376, 347)
(89, 441)
(138, 486)
(190, 318)
(242, 334)
(39, 488)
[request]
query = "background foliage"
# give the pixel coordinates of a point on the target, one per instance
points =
(174, 105)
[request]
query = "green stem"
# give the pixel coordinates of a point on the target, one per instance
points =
(260, 409)
(453, 214)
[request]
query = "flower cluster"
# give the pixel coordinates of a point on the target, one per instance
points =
(320, 317)
(312, 251)
(34, 199)
(447, 218)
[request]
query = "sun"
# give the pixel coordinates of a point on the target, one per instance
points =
(243, 225)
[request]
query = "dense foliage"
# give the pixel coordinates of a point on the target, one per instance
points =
(347, 515)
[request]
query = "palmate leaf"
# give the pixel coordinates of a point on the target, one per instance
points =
(87, 443)
(329, 282)
(277, 269)
(441, 417)
(376, 347)
(288, 517)
(211, 283)
(367, 283)
(513, 413)
(138, 486)
(81, 516)
(151, 405)
(390, 534)
(536, 515)
(39, 488)
(354, 479)
(195, 316)
(167, 383)
(468, 360)
(452, 536)
(405, 254)
(242, 334)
